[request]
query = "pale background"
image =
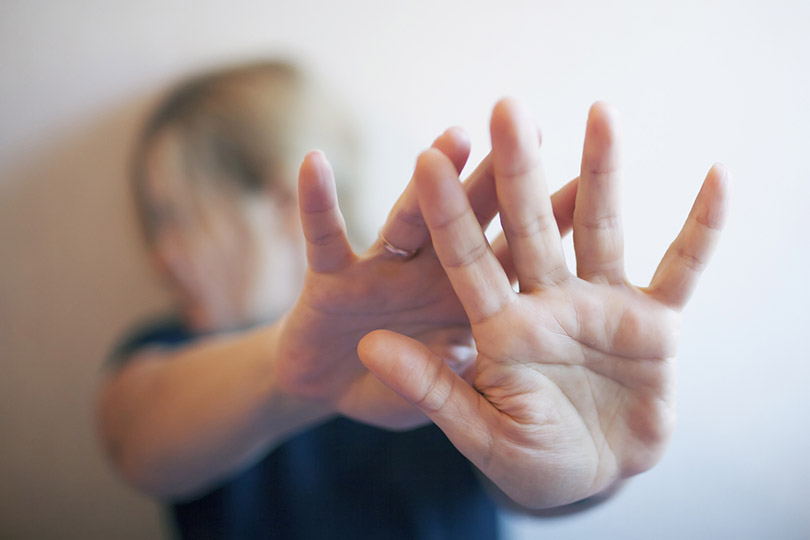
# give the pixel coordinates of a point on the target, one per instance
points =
(695, 82)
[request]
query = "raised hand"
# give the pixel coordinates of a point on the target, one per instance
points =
(346, 296)
(573, 387)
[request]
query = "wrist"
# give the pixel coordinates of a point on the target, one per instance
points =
(286, 411)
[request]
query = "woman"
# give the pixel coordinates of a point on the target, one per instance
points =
(569, 392)
(193, 405)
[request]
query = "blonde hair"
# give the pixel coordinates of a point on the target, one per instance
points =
(248, 127)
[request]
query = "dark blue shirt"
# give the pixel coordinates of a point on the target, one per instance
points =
(340, 480)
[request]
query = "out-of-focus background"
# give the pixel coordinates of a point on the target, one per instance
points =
(695, 82)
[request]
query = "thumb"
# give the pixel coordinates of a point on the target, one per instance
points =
(422, 378)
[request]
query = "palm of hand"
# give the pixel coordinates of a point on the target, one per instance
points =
(337, 309)
(590, 396)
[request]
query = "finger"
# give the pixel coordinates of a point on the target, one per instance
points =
(563, 203)
(411, 370)
(405, 228)
(455, 144)
(687, 257)
(480, 188)
(328, 248)
(476, 276)
(598, 237)
(525, 207)
(501, 250)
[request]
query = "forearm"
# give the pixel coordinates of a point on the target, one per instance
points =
(177, 422)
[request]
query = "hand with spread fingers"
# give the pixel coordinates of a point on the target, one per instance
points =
(398, 284)
(573, 387)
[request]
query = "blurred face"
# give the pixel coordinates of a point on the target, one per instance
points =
(230, 260)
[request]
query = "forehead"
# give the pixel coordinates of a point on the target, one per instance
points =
(180, 195)
(181, 190)
(166, 168)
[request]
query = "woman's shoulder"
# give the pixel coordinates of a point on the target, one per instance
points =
(166, 330)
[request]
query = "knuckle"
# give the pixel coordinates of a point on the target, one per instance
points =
(608, 222)
(535, 226)
(707, 223)
(324, 238)
(438, 391)
(411, 217)
(690, 260)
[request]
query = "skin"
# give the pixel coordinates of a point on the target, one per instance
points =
(209, 245)
(177, 421)
(346, 295)
(573, 387)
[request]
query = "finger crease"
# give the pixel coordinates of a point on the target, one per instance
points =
(318, 212)
(706, 223)
(411, 218)
(599, 171)
(471, 257)
(537, 226)
(608, 222)
(692, 262)
(424, 404)
(527, 169)
(325, 239)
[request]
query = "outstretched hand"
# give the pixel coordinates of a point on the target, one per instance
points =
(573, 387)
(347, 295)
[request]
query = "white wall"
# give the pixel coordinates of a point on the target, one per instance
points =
(695, 82)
